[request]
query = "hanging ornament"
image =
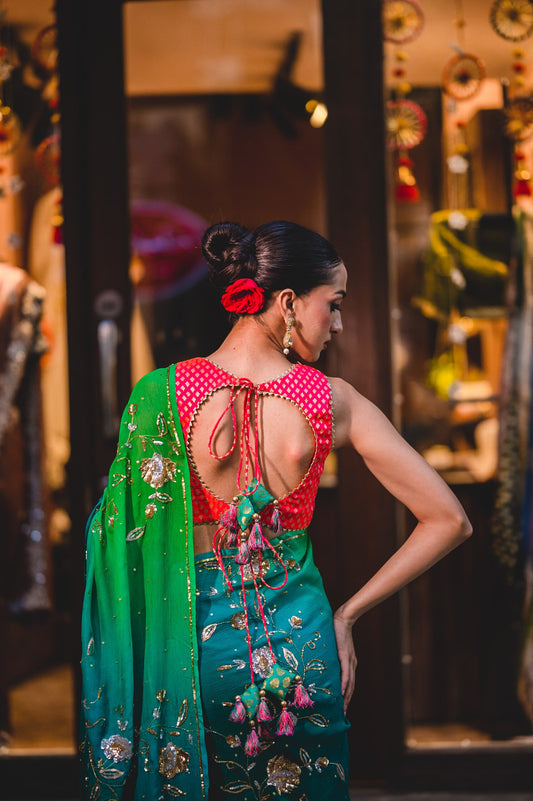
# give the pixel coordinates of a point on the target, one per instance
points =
(406, 190)
(463, 75)
(512, 19)
(519, 119)
(403, 21)
(406, 124)
(522, 176)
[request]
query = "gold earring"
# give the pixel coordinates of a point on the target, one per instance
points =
(287, 338)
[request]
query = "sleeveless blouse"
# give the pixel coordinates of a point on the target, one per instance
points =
(197, 379)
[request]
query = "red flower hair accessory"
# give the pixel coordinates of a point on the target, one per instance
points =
(243, 296)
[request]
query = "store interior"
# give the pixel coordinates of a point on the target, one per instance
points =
(226, 117)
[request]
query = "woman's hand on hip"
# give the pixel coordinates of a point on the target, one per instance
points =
(347, 657)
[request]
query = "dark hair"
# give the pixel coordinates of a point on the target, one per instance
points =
(277, 255)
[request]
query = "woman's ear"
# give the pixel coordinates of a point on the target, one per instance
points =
(286, 299)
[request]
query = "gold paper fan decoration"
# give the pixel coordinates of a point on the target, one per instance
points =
(519, 119)
(403, 21)
(406, 124)
(512, 19)
(463, 75)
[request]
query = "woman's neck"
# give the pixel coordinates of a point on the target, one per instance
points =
(252, 350)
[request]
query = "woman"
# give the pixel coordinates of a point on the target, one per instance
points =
(213, 666)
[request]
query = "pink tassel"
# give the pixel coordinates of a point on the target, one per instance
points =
(263, 711)
(252, 745)
(243, 557)
(229, 518)
(238, 713)
(275, 521)
(255, 540)
(285, 722)
(301, 697)
(231, 538)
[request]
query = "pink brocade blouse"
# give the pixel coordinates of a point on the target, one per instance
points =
(306, 387)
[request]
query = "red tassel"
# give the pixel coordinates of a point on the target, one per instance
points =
(255, 540)
(301, 697)
(263, 711)
(238, 713)
(252, 745)
(285, 722)
(275, 521)
(243, 557)
(522, 188)
(407, 194)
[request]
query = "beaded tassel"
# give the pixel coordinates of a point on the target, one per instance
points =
(238, 713)
(301, 696)
(252, 745)
(255, 540)
(285, 722)
(275, 520)
(263, 711)
(243, 557)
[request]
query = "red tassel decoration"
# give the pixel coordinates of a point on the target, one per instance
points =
(407, 194)
(522, 188)
(252, 745)
(255, 540)
(275, 520)
(301, 697)
(263, 711)
(285, 722)
(243, 557)
(238, 713)
(522, 176)
(406, 189)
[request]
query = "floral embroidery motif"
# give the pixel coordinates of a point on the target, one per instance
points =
(117, 748)
(172, 761)
(157, 470)
(262, 661)
(283, 774)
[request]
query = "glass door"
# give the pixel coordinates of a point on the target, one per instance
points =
(36, 674)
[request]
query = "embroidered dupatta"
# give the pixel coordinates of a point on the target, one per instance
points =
(141, 716)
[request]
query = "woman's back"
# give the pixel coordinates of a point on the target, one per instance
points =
(278, 432)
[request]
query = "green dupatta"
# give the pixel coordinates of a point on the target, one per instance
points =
(141, 716)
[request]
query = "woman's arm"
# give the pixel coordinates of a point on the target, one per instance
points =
(442, 523)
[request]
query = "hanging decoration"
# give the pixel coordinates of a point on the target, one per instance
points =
(463, 75)
(403, 21)
(512, 20)
(406, 122)
(462, 78)
(48, 153)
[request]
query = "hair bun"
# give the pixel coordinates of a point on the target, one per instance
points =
(222, 244)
